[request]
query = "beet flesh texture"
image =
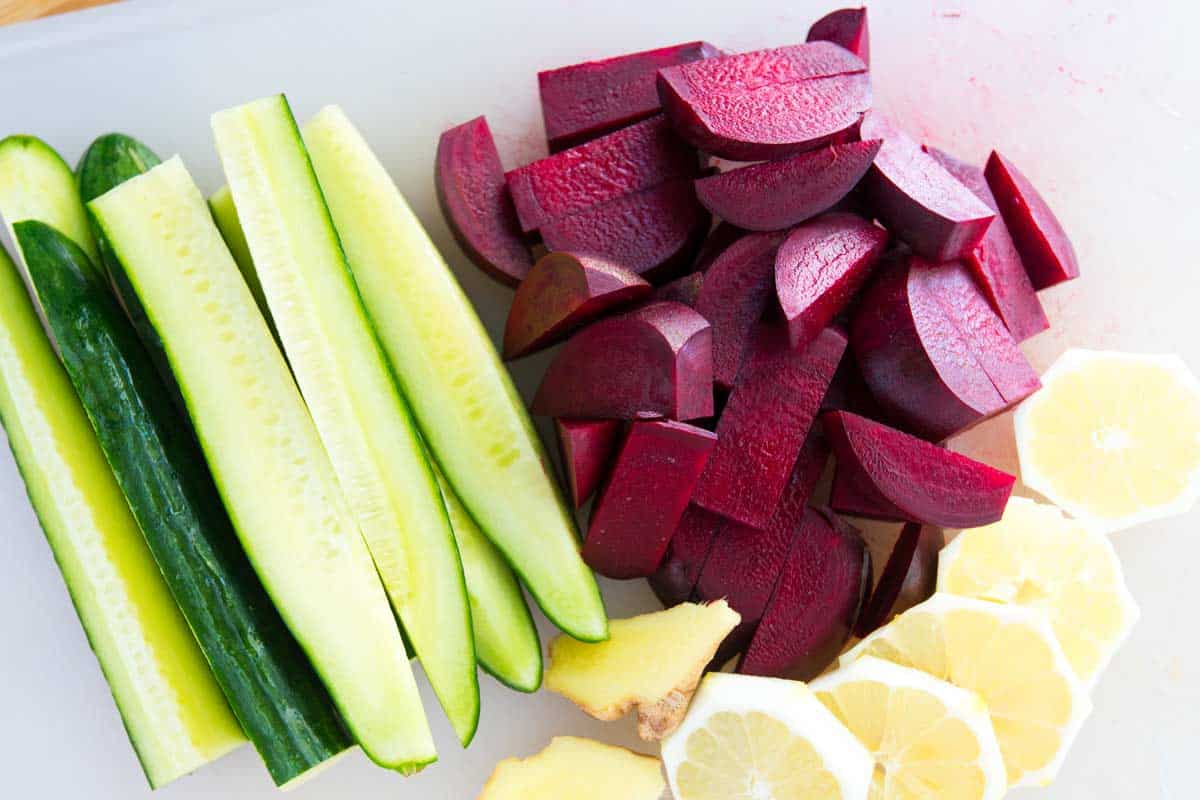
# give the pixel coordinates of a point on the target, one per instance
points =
(655, 361)
(641, 156)
(674, 581)
(917, 199)
(764, 425)
(560, 294)
(846, 27)
(908, 578)
(774, 195)
(767, 104)
(645, 496)
(475, 201)
(995, 262)
(586, 447)
(583, 101)
(654, 232)
(852, 494)
(924, 482)
(820, 266)
(684, 289)
(1044, 246)
(736, 291)
(936, 357)
(816, 602)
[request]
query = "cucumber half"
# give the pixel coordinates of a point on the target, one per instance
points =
(35, 183)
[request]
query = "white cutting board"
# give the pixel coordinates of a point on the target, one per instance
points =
(1096, 102)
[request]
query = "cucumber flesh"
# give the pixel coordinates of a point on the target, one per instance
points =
(462, 397)
(266, 457)
(225, 215)
(35, 183)
(109, 161)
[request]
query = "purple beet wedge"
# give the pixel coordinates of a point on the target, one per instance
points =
(674, 581)
(587, 447)
(908, 578)
(846, 27)
(852, 494)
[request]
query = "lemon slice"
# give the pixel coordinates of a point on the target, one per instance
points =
(1036, 556)
(1009, 656)
(1113, 438)
(750, 738)
(930, 739)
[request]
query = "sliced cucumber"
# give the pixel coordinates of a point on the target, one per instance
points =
(109, 161)
(225, 215)
(35, 183)
(463, 399)
(267, 459)
(172, 708)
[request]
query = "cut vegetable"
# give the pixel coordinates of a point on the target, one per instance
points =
(684, 290)
(226, 216)
(587, 447)
(109, 161)
(577, 768)
(846, 27)
(463, 400)
(718, 239)
(35, 183)
(652, 664)
(908, 578)
(1045, 249)
(675, 579)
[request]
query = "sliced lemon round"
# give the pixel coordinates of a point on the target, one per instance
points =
(1113, 438)
(1036, 556)
(750, 738)
(930, 739)
(1008, 655)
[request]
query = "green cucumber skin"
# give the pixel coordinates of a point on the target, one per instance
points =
(273, 690)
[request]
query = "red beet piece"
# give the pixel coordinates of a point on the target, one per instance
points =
(765, 424)
(1048, 254)
(475, 201)
(849, 392)
(995, 262)
(561, 293)
(684, 290)
(654, 232)
(924, 482)
(645, 497)
(775, 195)
(583, 101)
(852, 494)
(909, 577)
(652, 362)
(718, 240)
(638, 157)
(820, 266)
(917, 199)
(736, 291)
(586, 447)
(675, 579)
(769, 103)
(816, 602)
(846, 27)
(936, 357)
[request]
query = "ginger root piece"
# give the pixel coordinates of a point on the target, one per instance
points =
(580, 769)
(651, 663)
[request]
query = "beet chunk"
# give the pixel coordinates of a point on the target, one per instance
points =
(653, 362)
(849, 392)
(769, 103)
(475, 201)
(765, 424)
(675, 579)
(774, 195)
(917, 199)
(846, 27)
(645, 497)
(909, 577)
(820, 266)
(718, 240)
(852, 494)
(583, 101)
(586, 447)
(924, 482)
(561, 293)
(685, 289)
(816, 602)
(1044, 246)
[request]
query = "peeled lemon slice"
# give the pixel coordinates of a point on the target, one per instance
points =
(1113, 438)
(750, 738)
(1009, 656)
(1036, 556)
(930, 739)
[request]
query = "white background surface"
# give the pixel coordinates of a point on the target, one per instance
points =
(1096, 100)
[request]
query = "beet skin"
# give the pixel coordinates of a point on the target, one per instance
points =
(587, 447)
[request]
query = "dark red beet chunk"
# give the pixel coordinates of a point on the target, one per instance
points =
(910, 577)
(765, 424)
(1044, 246)
(846, 27)
(653, 362)
(924, 482)
(587, 447)
(769, 103)
(475, 200)
(560, 294)
(583, 101)
(852, 494)
(917, 199)
(639, 157)
(720, 238)
(675, 579)
(645, 497)
(684, 290)
(816, 602)
(849, 392)
(820, 266)
(775, 195)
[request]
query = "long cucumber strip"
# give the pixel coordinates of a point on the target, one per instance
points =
(225, 215)
(344, 377)
(264, 674)
(172, 708)
(266, 457)
(461, 395)
(35, 183)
